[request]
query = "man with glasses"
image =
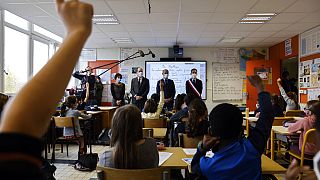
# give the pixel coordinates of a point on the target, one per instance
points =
(139, 89)
(169, 90)
(194, 85)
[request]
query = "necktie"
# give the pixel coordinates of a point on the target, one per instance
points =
(193, 81)
(139, 80)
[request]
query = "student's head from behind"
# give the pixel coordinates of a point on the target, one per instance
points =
(140, 72)
(165, 73)
(150, 106)
(89, 70)
(155, 97)
(179, 101)
(71, 102)
(194, 73)
(275, 99)
(292, 95)
(226, 121)
(118, 77)
(309, 105)
(98, 79)
(285, 75)
(315, 114)
(188, 98)
(126, 132)
(197, 112)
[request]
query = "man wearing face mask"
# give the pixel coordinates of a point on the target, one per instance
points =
(139, 89)
(194, 85)
(118, 91)
(169, 90)
(90, 79)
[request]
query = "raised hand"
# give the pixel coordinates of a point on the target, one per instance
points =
(256, 82)
(77, 16)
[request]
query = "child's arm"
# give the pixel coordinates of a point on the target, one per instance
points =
(260, 134)
(161, 102)
(30, 111)
(297, 126)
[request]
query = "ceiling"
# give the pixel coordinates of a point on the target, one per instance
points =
(189, 23)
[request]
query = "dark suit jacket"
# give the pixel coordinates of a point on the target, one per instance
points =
(169, 89)
(197, 85)
(141, 90)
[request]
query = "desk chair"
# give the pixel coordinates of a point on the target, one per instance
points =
(61, 122)
(154, 123)
(188, 142)
(147, 133)
(106, 173)
(294, 113)
(310, 136)
(279, 121)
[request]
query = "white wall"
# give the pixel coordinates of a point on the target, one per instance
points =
(194, 53)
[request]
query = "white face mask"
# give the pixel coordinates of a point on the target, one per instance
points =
(257, 106)
(165, 76)
(194, 76)
(140, 74)
(118, 80)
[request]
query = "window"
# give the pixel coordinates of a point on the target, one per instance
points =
(16, 48)
(46, 33)
(40, 55)
(16, 20)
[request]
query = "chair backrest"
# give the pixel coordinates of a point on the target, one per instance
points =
(154, 123)
(184, 119)
(188, 142)
(147, 133)
(278, 121)
(294, 113)
(310, 136)
(64, 121)
(247, 121)
(106, 173)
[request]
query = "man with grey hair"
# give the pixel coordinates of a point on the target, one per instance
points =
(139, 89)
(169, 90)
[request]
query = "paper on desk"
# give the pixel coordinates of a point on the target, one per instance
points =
(187, 160)
(163, 156)
(190, 151)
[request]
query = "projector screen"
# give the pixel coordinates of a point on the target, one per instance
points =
(179, 72)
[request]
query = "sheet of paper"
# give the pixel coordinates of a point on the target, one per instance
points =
(187, 160)
(190, 151)
(163, 156)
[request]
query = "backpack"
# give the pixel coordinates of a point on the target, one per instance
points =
(87, 162)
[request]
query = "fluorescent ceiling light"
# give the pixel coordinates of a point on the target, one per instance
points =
(122, 40)
(105, 19)
(257, 18)
(230, 40)
(107, 23)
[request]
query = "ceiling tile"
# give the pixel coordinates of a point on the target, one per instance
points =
(226, 17)
(234, 7)
(213, 34)
(191, 28)
(164, 27)
(262, 34)
(272, 27)
(127, 6)
(312, 17)
(217, 27)
(166, 40)
(301, 26)
(286, 34)
(164, 17)
(271, 6)
(111, 28)
(287, 18)
(199, 6)
(273, 40)
(196, 17)
(251, 40)
(185, 41)
(245, 27)
(209, 40)
(246, 44)
(304, 6)
(137, 27)
(237, 34)
(165, 34)
(132, 18)
(144, 40)
(163, 6)
(141, 34)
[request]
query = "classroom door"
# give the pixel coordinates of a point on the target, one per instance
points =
(269, 70)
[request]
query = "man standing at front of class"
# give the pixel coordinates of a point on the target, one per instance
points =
(194, 85)
(139, 89)
(169, 90)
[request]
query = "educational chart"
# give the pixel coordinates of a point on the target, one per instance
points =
(309, 73)
(227, 81)
(313, 94)
(179, 72)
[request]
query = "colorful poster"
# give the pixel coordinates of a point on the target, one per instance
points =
(287, 47)
(264, 73)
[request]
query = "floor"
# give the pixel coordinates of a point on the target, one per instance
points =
(66, 171)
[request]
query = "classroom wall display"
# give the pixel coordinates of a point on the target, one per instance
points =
(225, 55)
(305, 74)
(247, 54)
(227, 81)
(313, 94)
(179, 72)
(264, 73)
(287, 47)
(310, 42)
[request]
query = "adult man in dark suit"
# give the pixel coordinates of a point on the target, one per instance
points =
(139, 89)
(194, 85)
(169, 90)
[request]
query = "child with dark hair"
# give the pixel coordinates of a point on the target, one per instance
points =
(232, 151)
(309, 122)
(277, 110)
(151, 108)
(178, 103)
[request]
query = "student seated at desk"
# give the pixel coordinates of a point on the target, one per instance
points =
(235, 157)
(151, 109)
(129, 150)
(304, 125)
(277, 110)
(179, 103)
(184, 111)
(197, 124)
(20, 144)
(290, 98)
(71, 111)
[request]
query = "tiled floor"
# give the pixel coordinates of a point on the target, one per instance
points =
(66, 171)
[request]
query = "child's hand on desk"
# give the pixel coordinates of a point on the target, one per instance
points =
(160, 146)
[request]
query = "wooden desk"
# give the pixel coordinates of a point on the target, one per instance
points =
(107, 115)
(278, 130)
(159, 133)
(175, 161)
(268, 166)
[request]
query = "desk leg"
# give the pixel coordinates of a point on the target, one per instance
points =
(272, 145)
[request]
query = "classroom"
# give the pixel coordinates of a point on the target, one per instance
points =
(160, 89)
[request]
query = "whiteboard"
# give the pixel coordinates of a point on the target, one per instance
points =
(227, 82)
(179, 72)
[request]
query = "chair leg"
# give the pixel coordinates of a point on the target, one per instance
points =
(67, 149)
(61, 148)
(53, 153)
